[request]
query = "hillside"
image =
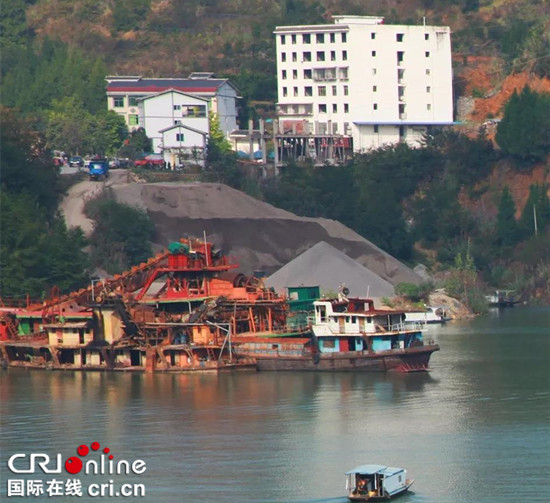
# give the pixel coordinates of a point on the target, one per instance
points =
(491, 38)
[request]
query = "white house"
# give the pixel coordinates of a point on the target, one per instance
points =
(159, 112)
(359, 84)
(125, 92)
(183, 145)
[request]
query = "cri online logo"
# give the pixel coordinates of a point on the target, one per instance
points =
(74, 465)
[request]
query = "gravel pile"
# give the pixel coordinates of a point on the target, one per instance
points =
(329, 268)
(256, 234)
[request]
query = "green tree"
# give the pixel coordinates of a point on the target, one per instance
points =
(69, 125)
(536, 209)
(523, 131)
(221, 159)
(135, 144)
(506, 225)
(37, 251)
(121, 236)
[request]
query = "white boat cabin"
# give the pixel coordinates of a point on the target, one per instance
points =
(429, 315)
(355, 325)
(376, 482)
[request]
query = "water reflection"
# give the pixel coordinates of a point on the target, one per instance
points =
(289, 437)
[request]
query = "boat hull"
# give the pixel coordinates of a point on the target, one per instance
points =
(387, 497)
(408, 360)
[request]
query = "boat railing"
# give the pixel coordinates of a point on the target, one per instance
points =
(410, 325)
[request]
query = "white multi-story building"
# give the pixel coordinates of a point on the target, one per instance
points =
(125, 92)
(359, 84)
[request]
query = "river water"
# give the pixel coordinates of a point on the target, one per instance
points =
(474, 429)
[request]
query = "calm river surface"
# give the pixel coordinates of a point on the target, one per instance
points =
(475, 429)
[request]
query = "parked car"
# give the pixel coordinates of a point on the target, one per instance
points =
(76, 161)
(114, 163)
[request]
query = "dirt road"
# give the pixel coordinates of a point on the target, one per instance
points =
(72, 206)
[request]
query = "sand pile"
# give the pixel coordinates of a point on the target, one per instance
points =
(329, 268)
(258, 235)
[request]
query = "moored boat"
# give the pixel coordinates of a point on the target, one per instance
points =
(429, 315)
(347, 335)
(376, 483)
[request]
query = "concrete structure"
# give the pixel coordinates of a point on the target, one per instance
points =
(125, 92)
(359, 84)
(184, 146)
(158, 113)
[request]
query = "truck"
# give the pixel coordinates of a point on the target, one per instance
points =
(98, 169)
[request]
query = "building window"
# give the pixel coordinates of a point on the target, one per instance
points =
(333, 55)
(180, 137)
(177, 107)
(283, 40)
(427, 54)
(177, 122)
(344, 37)
(295, 91)
(194, 111)
(346, 90)
(374, 89)
(308, 91)
(345, 55)
(374, 71)
(307, 74)
(322, 91)
(320, 55)
(285, 91)
(346, 108)
(373, 36)
(320, 38)
(400, 75)
(373, 54)
(133, 100)
(400, 56)
(428, 71)
(306, 38)
(375, 129)
(293, 39)
(399, 37)
(283, 56)
(133, 120)
(334, 90)
(307, 56)
(428, 89)
(375, 106)
(343, 73)
(426, 36)
(118, 101)
(322, 109)
(332, 38)
(402, 114)
(294, 74)
(429, 106)
(294, 57)
(283, 74)
(334, 108)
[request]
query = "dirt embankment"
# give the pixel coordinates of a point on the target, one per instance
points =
(258, 235)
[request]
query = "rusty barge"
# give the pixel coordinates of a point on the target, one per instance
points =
(187, 309)
(154, 317)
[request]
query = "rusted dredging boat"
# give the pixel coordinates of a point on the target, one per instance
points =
(148, 318)
(349, 335)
